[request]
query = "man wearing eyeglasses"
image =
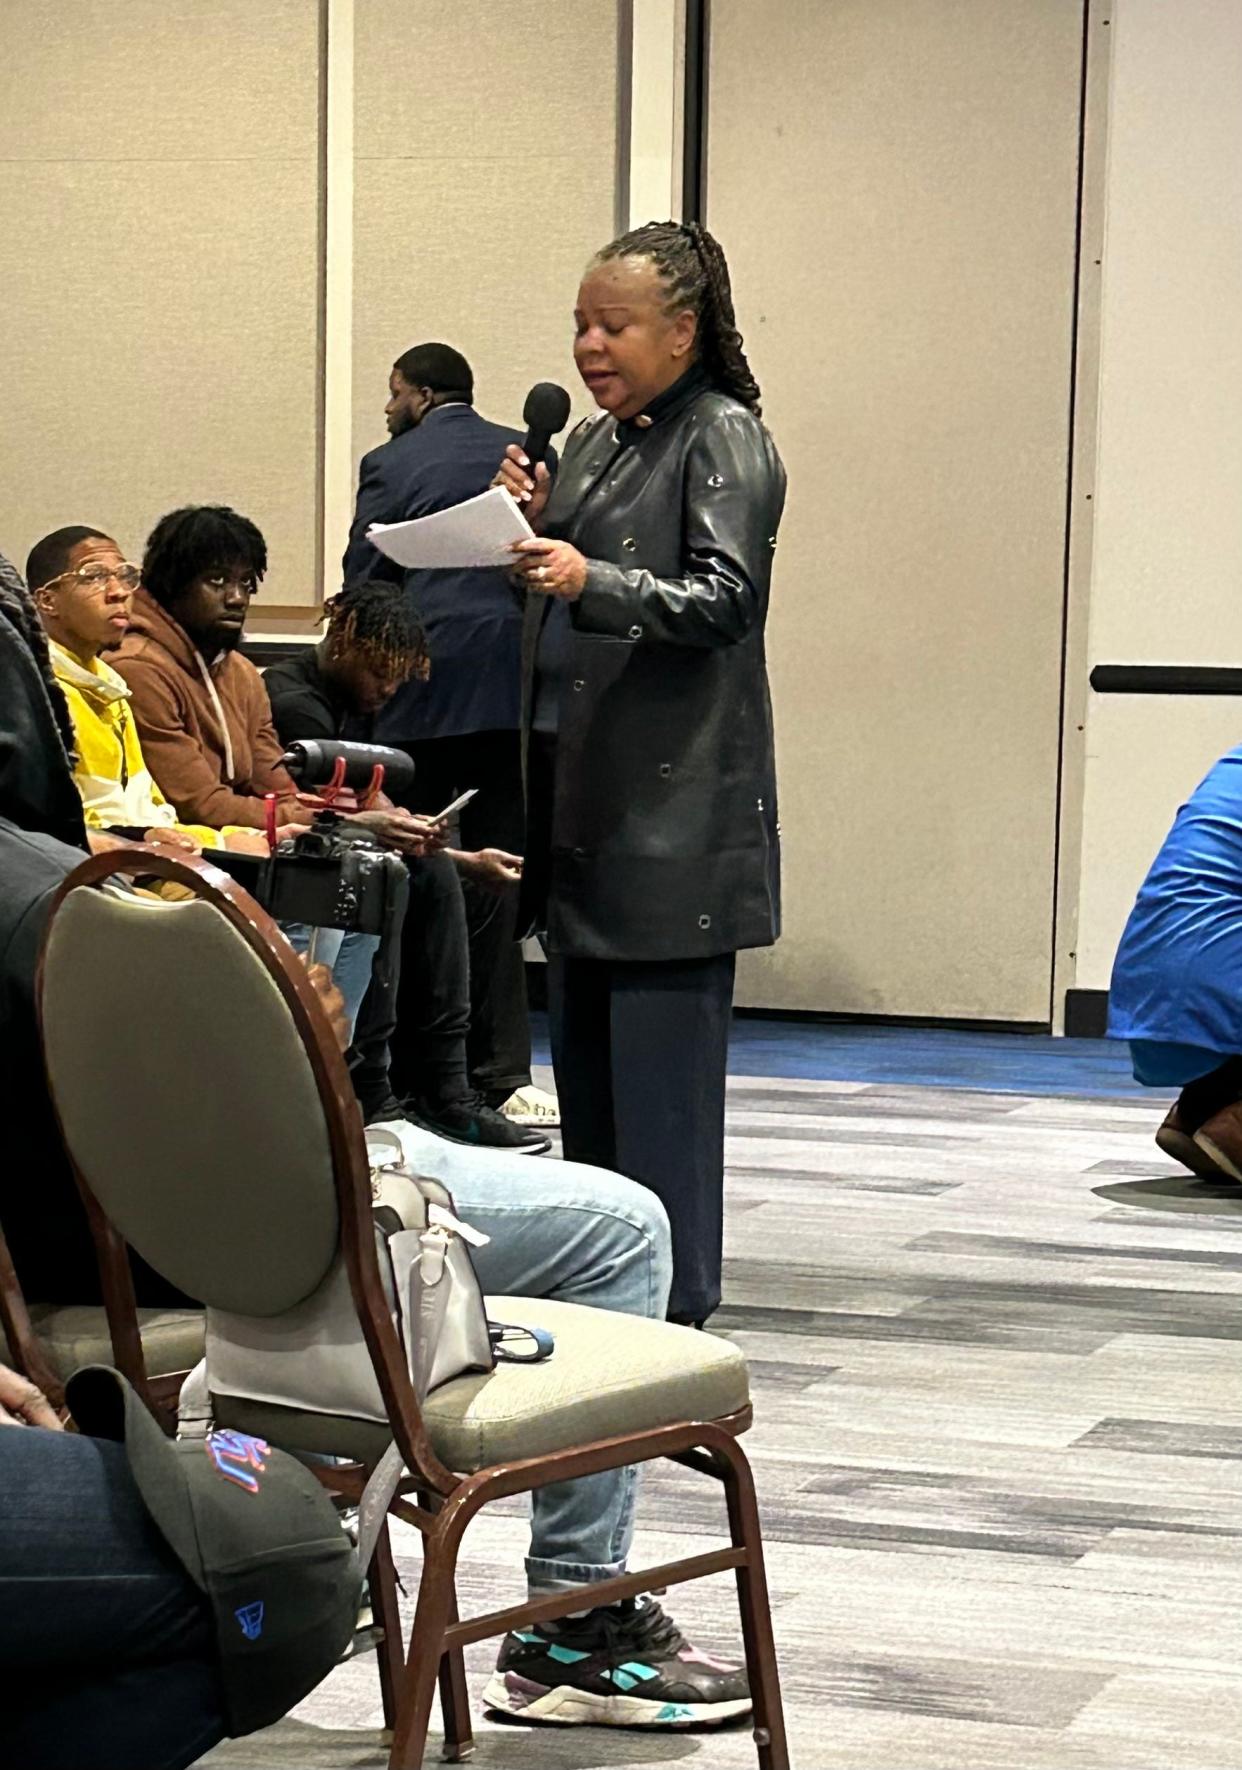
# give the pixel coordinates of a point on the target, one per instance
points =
(83, 587)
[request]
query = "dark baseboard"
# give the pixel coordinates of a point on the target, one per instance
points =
(537, 995)
(1086, 1013)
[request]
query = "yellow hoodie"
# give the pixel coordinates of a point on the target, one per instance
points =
(110, 774)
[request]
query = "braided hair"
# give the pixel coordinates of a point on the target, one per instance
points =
(692, 267)
(373, 617)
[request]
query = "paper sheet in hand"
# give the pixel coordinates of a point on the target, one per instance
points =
(478, 532)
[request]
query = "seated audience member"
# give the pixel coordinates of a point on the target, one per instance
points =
(567, 1231)
(82, 587)
(202, 711)
(333, 690)
(373, 644)
(112, 1656)
(205, 722)
(1176, 991)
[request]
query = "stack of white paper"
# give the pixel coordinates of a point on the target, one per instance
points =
(479, 532)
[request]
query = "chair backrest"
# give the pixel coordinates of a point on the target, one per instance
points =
(208, 1111)
(187, 1096)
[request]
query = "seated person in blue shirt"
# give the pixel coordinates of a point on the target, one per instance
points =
(1176, 991)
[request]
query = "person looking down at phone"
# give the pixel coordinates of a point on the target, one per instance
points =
(374, 644)
(333, 690)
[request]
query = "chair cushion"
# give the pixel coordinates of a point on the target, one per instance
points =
(609, 1374)
(77, 1334)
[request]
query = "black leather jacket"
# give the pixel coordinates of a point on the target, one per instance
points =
(663, 827)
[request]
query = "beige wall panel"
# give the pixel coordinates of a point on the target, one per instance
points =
(1167, 566)
(159, 203)
(1167, 544)
(896, 188)
(485, 176)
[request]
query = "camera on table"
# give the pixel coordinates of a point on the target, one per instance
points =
(332, 874)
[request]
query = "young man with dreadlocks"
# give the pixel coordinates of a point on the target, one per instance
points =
(373, 645)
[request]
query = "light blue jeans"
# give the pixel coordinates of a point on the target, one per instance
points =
(580, 1235)
(349, 957)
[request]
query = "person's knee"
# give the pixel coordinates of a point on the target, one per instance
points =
(636, 1215)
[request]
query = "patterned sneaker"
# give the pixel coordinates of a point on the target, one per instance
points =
(533, 1106)
(625, 1665)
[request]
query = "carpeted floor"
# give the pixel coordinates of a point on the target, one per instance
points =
(993, 1337)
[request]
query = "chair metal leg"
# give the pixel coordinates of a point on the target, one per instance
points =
(756, 1612)
(432, 1616)
(455, 1699)
(382, 1580)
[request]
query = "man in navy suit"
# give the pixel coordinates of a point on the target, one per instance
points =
(461, 726)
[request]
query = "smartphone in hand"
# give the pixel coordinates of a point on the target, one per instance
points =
(451, 810)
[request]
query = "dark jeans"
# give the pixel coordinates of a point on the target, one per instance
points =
(498, 1048)
(640, 1052)
(411, 1031)
(106, 1646)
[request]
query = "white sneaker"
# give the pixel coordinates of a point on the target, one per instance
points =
(533, 1106)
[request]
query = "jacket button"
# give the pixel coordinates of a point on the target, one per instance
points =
(579, 853)
(715, 481)
(636, 632)
(629, 543)
(771, 540)
(705, 921)
(579, 685)
(666, 769)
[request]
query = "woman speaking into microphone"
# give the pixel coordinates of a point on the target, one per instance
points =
(652, 842)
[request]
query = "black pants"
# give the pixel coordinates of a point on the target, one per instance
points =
(498, 1048)
(411, 1031)
(640, 1053)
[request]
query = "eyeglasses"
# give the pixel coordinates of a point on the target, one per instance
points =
(98, 577)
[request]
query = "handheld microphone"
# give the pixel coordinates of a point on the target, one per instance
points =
(546, 411)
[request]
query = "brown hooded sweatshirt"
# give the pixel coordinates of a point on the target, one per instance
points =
(206, 730)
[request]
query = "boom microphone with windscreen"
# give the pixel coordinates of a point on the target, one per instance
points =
(546, 411)
(313, 762)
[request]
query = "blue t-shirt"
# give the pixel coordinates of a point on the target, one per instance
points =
(1177, 977)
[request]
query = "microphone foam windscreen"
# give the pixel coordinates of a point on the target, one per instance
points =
(546, 408)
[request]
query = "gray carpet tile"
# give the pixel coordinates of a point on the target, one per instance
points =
(998, 1422)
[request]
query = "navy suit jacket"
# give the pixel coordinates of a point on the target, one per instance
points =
(472, 618)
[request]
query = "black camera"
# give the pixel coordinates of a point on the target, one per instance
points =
(333, 874)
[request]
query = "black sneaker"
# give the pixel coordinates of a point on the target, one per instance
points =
(471, 1120)
(626, 1665)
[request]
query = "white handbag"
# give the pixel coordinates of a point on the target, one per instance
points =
(314, 1358)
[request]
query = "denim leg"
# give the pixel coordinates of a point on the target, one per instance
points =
(579, 1235)
(106, 1645)
(349, 957)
